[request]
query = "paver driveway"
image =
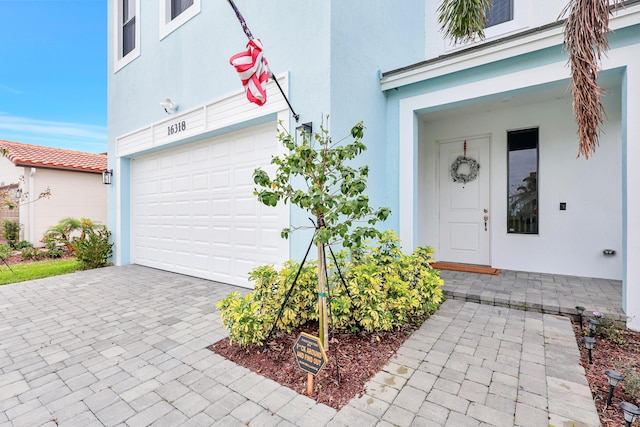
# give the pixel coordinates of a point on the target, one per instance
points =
(126, 346)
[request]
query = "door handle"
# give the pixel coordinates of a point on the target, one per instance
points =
(486, 218)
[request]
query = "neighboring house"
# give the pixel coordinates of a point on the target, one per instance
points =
(74, 179)
(183, 183)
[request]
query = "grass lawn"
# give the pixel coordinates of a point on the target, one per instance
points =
(36, 270)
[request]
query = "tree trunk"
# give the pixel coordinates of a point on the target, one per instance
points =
(322, 297)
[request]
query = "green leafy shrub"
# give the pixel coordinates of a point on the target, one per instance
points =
(53, 250)
(5, 251)
(92, 248)
(32, 253)
(385, 289)
(631, 382)
(11, 232)
(23, 244)
(611, 330)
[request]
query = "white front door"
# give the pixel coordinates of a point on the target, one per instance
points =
(465, 218)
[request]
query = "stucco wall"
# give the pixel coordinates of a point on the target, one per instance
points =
(332, 52)
(9, 173)
(73, 194)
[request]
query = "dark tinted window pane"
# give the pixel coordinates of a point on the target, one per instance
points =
(128, 37)
(179, 6)
(522, 212)
(499, 12)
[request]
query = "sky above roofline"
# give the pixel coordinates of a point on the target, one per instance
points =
(53, 89)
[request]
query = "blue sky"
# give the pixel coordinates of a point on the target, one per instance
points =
(53, 78)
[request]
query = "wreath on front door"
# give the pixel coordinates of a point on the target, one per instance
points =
(474, 167)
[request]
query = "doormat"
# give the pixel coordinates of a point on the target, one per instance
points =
(465, 267)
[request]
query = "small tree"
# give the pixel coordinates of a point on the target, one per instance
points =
(332, 193)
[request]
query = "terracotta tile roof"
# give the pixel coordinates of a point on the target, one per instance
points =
(54, 158)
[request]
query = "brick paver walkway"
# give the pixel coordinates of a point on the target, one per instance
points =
(125, 346)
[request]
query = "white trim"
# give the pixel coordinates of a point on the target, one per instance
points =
(510, 48)
(228, 110)
(118, 60)
(167, 25)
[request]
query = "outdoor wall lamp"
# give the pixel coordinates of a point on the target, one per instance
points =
(305, 129)
(593, 324)
(169, 106)
(589, 342)
(613, 377)
(631, 412)
(580, 310)
(107, 176)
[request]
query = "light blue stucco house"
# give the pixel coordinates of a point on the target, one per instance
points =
(182, 192)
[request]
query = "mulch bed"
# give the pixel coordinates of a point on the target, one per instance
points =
(359, 357)
(605, 355)
(16, 258)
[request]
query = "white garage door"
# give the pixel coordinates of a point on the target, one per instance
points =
(194, 211)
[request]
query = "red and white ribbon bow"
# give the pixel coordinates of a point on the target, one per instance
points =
(253, 70)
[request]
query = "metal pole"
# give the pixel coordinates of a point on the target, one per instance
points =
(249, 35)
(286, 298)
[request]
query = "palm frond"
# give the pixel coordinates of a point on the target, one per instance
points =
(463, 20)
(585, 35)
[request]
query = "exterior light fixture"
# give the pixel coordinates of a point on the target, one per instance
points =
(169, 106)
(107, 176)
(593, 324)
(631, 412)
(613, 377)
(305, 129)
(580, 310)
(589, 342)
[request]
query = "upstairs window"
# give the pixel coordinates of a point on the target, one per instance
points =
(499, 12)
(522, 212)
(128, 26)
(174, 13)
(127, 31)
(179, 6)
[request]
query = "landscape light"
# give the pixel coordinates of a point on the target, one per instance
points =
(580, 310)
(589, 342)
(613, 377)
(631, 412)
(593, 324)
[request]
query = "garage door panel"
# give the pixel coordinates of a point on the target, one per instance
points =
(221, 178)
(246, 207)
(182, 157)
(200, 209)
(194, 212)
(200, 182)
(183, 184)
(245, 238)
(220, 152)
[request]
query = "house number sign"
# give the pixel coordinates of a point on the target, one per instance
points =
(176, 127)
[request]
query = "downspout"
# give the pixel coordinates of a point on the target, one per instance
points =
(30, 205)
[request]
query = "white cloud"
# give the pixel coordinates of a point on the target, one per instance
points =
(10, 90)
(73, 136)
